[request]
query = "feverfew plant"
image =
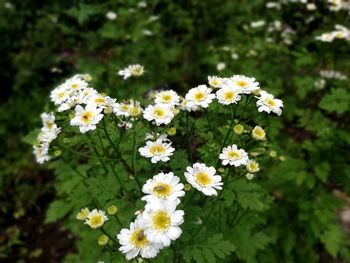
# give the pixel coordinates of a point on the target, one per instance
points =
(162, 170)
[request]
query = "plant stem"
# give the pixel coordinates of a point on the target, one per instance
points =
(96, 152)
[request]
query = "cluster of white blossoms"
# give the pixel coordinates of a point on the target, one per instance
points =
(48, 133)
(340, 32)
(338, 5)
(95, 218)
(332, 74)
(90, 105)
(131, 71)
(159, 222)
(158, 149)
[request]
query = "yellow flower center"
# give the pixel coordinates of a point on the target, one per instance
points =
(61, 95)
(203, 179)
(100, 100)
(166, 97)
(134, 111)
(270, 102)
(48, 124)
(234, 155)
(199, 96)
(242, 83)
(259, 133)
(253, 167)
(161, 220)
(74, 86)
(159, 112)
(229, 95)
(162, 190)
(215, 82)
(138, 238)
(157, 149)
(96, 220)
(124, 107)
(87, 116)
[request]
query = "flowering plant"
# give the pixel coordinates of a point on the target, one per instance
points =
(170, 169)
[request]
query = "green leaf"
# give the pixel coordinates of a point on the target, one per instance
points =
(333, 238)
(337, 101)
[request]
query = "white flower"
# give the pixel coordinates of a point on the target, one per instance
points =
(132, 70)
(161, 113)
(252, 166)
(86, 118)
(59, 95)
(121, 109)
(169, 97)
(220, 66)
(133, 242)
(203, 178)
(41, 154)
(46, 136)
(215, 81)
(96, 218)
(244, 84)
(75, 83)
(233, 156)
(111, 15)
(163, 186)
(48, 120)
(256, 24)
(228, 95)
(269, 104)
(200, 96)
(162, 221)
(186, 106)
(101, 101)
(157, 151)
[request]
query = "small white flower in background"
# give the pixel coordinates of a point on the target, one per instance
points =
(234, 56)
(163, 186)
(101, 101)
(75, 83)
(244, 84)
(311, 6)
(252, 167)
(111, 15)
(157, 150)
(41, 154)
(203, 178)
(162, 221)
(142, 4)
(132, 70)
(200, 96)
(269, 104)
(59, 95)
(121, 109)
(256, 24)
(48, 120)
(124, 125)
(249, 176)
(215, 81)
(153, 18)
(147, 32)
(134, 242)
(228, 95)
(160, 113)
(86, 118)
(220, 66)
(273, 5)
(233, 156)
(169, 97)
(83, 214)
(258, 133)
(96, 218)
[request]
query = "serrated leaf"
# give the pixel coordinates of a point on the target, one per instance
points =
(337, 101)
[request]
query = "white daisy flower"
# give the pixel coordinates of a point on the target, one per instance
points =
(215, 81)
(200, 96)
(160, 113)
(121, 109)
(233, 156)
(101, 101)
(135, 110)
(132, 70)
(59, 95)
(203, 178)
(244, 84)
(169, 97)
(163, 186)
(46, 136)
(157, 151)
(75, 84)
(186, 106)
(228, 95)
(48, 120)
(96, 218)
(162, 221)
(111, 15)
(41, 154)
(269, 104)
(134, 242)
(86, 118)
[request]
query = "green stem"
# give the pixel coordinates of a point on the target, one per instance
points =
(96, 152)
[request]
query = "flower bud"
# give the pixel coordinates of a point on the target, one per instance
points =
(112, 210)
(103, 240)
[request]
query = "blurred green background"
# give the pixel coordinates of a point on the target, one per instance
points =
(180, 43)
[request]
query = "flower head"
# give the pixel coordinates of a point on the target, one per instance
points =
(169, 97)
(258, 133)
(203, 178)
(86, 118)
(200, 96)
(244, 84)
(157, 150)
(160, 113)
(233, 156)
(132, 70)
(96, 218)
(163, 186)
(133, 242)
(215, 81)
(162, 220)
(252, 167)
(269, 104)
(228, 95)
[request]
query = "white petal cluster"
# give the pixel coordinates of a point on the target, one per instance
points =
(200, 96)
(233, 156)
(47, 134)
(158, 150)
(131, 71)
(159, 113)
(266, 102)
(340, 32)
(159, 223)
(86, 118)
(96, 218)
(203, 178)
(169, 97)
(338, 5)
